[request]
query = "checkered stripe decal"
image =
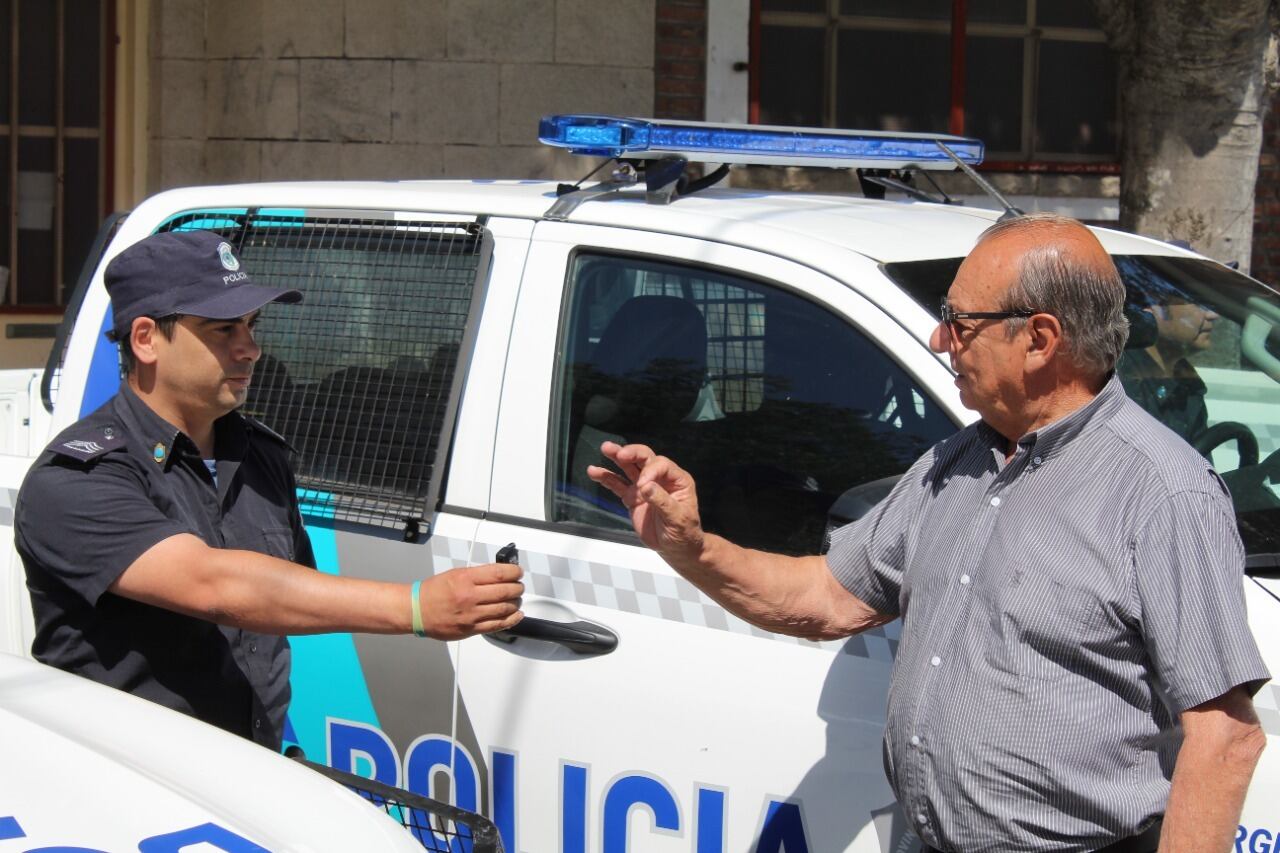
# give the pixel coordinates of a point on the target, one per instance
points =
(647, 594)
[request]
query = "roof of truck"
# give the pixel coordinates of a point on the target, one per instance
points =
(883, 230)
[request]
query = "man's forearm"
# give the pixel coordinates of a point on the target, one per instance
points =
(1211, 778)
(787, 595)
(245, 589)
(263, 593)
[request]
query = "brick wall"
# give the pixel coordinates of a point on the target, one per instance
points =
(1265, 262)
(680, 60)
(248, 90)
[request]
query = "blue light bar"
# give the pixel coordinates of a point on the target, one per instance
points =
(647, 139)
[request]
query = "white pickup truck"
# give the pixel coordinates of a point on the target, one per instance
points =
(464, 347)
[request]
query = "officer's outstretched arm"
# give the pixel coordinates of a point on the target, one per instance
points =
(249, 590)
(789, 595)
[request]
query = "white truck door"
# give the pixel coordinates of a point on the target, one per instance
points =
(780, 388)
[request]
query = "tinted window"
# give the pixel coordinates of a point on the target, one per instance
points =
(774, 404)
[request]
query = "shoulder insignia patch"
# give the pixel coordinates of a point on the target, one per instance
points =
(84, 449)
(87, 441)
(87, 447)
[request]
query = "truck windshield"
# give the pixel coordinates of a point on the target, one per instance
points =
(1204, 358)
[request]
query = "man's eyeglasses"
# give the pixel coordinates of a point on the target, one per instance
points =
(949, 316)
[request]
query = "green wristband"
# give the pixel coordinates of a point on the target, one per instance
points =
(416, 604)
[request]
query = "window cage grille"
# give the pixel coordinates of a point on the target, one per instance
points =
(359, 377)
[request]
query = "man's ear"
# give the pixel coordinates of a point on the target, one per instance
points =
(1044, 340)
(143, 335)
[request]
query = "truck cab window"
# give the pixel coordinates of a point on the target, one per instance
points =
(774, 404)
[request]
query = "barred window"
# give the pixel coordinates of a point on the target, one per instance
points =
(1039, 83)
(361, 377)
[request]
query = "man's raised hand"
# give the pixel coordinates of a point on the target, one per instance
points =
(661, 497)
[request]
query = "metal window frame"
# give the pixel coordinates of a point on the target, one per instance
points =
(958, 28)
(60, 132)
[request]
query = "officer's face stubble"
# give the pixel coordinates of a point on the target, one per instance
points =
(208, 365)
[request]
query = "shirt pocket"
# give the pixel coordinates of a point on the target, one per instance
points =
(1041, 626)
(278, 542)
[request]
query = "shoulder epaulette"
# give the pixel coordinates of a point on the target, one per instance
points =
(87, 441)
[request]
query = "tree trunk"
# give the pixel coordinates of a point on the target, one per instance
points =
(1196, 78)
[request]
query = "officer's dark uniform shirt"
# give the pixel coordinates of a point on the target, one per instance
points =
(104, 492)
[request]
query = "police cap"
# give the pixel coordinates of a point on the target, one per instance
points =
(183, 272)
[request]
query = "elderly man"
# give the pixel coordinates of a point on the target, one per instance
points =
(1074, 668)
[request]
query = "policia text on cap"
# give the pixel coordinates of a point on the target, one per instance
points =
(164, 549)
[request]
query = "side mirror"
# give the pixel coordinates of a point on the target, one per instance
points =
(855, 503)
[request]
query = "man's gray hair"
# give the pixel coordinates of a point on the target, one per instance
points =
(1087, 298)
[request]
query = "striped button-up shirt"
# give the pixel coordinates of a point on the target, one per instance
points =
(1059, 610)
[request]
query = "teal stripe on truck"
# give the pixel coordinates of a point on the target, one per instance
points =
(327, 678)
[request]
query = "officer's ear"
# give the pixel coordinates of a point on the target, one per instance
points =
(143, 335)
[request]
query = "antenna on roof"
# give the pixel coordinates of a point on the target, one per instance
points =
(1009, 210)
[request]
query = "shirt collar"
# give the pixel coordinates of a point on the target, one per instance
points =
(165, 442)
(1051, 439)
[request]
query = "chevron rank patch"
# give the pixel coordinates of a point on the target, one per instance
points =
(89, 448)
(92, 444)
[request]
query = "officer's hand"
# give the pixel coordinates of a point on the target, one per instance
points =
(472, 600)
(661, 497)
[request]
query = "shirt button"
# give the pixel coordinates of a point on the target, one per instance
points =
(935, 660)
(964, 579)
(253, 647)
(257, 724)
(921, 819)
(1036, 460)
(915, 740)
(995, 501)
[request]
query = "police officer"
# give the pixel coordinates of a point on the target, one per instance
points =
(164, 550)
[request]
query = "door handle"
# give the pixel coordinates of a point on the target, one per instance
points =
(583, 638)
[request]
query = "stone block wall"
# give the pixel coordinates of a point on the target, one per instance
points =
(249, 90)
